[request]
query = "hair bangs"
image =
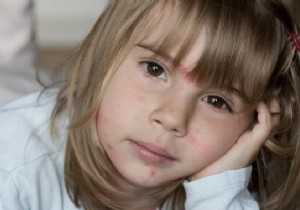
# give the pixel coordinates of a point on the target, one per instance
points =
(239, 50)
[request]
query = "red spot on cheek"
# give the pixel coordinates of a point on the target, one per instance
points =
(204, 149)
(141, 98)
(110, 147)
(192, 139)
(101, 118)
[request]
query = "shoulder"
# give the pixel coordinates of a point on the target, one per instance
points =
(24, 130)
(33, 107)
(31, 160)
(27, 105)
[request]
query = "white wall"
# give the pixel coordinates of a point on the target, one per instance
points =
(64, 23)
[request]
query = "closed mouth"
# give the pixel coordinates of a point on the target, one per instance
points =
(151, 152)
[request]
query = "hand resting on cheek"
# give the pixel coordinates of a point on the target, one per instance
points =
(245, 150)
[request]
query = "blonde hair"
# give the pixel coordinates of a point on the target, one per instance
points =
(247, 44)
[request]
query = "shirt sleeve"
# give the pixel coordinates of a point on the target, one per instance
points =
(224, 191)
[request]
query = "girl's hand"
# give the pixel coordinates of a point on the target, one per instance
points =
(245, 150)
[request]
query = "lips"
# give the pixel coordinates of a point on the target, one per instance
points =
(151, 153)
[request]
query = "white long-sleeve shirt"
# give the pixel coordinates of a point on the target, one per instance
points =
(31, 166)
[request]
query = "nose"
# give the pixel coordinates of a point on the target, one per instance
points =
(172, 116)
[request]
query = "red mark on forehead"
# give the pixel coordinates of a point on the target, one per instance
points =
(185, 75)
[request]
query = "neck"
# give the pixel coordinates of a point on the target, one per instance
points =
(137, 206)
(142, 202)
(140, 198)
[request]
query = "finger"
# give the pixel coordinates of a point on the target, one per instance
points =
(274, 108)
(252, 140)
(263, 127)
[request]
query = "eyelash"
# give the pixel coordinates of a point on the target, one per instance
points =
(147, 64)
(219, 100)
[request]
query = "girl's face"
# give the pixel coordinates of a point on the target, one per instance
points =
(156, 125)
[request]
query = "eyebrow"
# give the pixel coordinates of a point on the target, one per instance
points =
(153, 49)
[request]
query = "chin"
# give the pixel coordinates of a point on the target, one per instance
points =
(141, 180)
(148, 181)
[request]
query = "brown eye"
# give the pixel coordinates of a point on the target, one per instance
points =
(217, 102)
(154, 69)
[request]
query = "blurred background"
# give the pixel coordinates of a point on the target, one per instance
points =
(39, 34)
(61, 25)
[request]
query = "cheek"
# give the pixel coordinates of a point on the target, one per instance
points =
(211, 142)
(113, 154)
(202, 150)
(101, 119)
(102, 122)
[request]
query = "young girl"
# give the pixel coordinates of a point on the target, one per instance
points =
(164, 106)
